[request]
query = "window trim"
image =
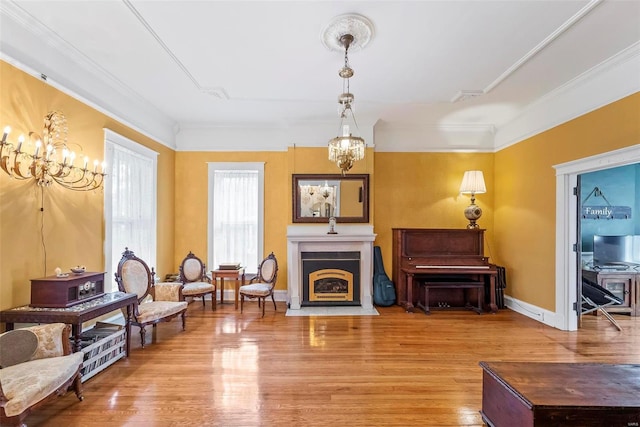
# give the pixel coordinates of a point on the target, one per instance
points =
(112, 139)
(253, 166)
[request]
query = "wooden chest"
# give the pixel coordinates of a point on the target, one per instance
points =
(560, 394)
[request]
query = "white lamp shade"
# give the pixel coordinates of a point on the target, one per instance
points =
(473, 183)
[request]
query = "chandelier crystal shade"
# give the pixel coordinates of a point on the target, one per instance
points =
(347, 148)
(51, 160)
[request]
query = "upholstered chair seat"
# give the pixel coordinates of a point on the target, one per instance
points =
(43, 373)
(196, 288)
(261, 286)
(157, 302)
(154, 310)
(257, 289)
(197, 284)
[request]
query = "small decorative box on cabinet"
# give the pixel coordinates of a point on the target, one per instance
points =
(61, 292)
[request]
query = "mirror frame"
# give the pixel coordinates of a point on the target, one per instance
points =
(297, 218)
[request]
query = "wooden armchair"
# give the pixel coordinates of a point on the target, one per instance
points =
(262, 285)
(159, 302)
(193, 276)
(37, 367)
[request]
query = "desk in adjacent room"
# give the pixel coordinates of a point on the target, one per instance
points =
(530, 394)
(75, 315)
(237, 275)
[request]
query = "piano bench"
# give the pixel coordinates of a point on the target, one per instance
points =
(452, 284)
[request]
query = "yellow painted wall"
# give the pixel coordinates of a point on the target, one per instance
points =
(525, 188)
(420, 190)
(191, 196)
(350, 203)
(73, 228)
(192, 209)
(407, 190)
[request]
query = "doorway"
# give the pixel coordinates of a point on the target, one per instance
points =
(608, 229)
(567, 248)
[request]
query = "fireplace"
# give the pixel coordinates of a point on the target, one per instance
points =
(330, 278)
(341, 264)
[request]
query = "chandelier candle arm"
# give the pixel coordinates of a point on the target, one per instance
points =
(46, 169)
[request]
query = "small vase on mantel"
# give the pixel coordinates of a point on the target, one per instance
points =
(332, 226)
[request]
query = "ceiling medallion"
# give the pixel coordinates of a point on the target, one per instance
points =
(356, 25)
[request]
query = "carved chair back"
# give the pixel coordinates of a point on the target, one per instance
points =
(268, 270)
(193, 269)
(133, 275)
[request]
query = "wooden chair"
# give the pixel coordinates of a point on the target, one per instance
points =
(262, 285)
(37, 367)
(193, 276)
(157, 302)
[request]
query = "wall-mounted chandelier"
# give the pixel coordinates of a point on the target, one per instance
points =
(51, 160)
(345, 32)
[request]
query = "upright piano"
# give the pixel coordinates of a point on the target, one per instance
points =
(446, 254)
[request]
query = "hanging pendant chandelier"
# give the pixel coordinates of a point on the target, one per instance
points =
(347, 31)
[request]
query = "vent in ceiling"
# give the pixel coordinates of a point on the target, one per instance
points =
(216, 92)
(465, 95)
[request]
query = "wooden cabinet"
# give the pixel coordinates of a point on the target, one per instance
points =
(624, 285)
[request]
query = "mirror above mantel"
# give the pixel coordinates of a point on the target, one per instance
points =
(317, 197)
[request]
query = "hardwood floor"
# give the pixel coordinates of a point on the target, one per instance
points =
(396, 369)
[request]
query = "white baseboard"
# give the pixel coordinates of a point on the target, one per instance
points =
(278, 295)
(534, 312)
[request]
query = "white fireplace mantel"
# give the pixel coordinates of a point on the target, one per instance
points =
(314, 238)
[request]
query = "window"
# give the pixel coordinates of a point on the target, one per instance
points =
(236, 214)
(129, 202)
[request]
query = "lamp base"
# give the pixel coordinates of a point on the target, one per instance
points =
(473, 213)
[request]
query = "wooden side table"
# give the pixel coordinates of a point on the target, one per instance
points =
(75, 315)
(236, 275)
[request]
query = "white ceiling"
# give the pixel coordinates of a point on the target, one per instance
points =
(167, 67)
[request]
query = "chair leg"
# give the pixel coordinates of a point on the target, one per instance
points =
(77, 387)
(264, 302)
(274, 303)
(142, 335)
(213, 299)
(611, 319)
(154, 332)
(203, 305)
(184, 319)
(241, 303)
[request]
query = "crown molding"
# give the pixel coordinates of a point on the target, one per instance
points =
(33, 47)
(607, 82)
(442, 137)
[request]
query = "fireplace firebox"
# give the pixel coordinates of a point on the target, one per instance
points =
(330, 278)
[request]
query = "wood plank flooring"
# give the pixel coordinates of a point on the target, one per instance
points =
(396, 369)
